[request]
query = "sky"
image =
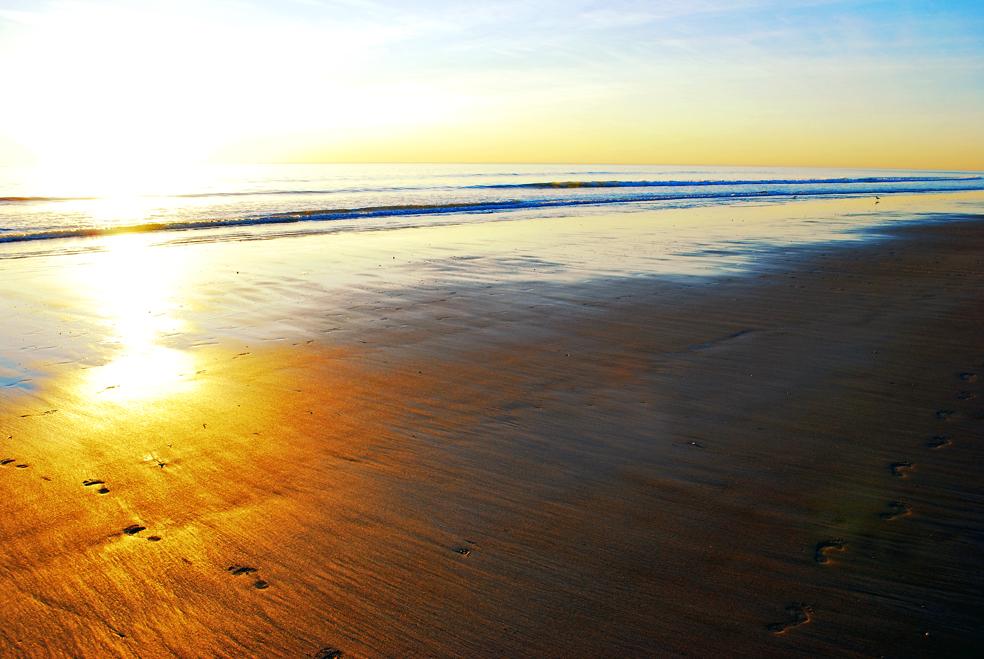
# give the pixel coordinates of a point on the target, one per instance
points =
(731, 82)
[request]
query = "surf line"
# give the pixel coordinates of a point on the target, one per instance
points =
(425, 209)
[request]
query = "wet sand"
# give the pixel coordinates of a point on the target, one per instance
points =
(779, 464)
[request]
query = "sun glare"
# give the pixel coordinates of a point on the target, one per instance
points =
(126, 85)
(116, 192)
(131, 287)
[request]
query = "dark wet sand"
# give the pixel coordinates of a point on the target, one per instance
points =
(787, 464)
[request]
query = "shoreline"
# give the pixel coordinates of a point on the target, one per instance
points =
(642, 467)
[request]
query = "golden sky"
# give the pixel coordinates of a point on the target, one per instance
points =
(742, 82)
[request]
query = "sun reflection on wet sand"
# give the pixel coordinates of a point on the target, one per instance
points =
(132, 287)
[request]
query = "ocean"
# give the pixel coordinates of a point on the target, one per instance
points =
(39, 205)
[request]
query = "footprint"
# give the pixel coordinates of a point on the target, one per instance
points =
(22, 466)
(92, 481)
(943, 415)
(801, 616)
(900, 469)
(820, 555)
(240, 569)
(237, 570)
(968, 377)
(896, 509)
(134, 529)
(7, 461)
(154, 538)
(938, 441)
(24, 416)
(327, 652)
(966, 395)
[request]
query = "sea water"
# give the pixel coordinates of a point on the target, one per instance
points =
(221, 202)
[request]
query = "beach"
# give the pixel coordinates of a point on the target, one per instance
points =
(422, 442)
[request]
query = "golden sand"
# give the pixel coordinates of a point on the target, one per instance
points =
(786, 464)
